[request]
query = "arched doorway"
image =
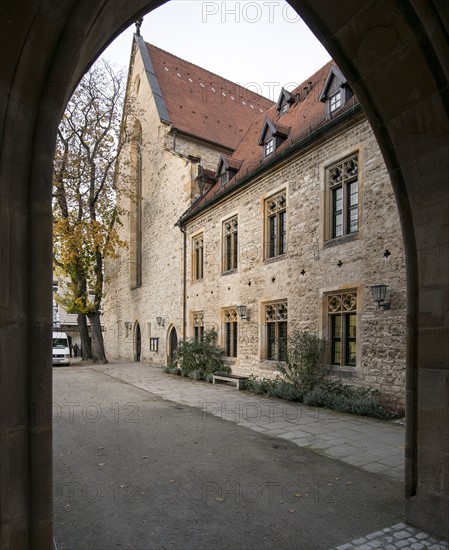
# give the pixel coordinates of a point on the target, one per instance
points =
(395, 56)
(137, 343)
(172, 345)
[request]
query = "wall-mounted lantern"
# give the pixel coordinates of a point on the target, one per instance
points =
(160, 321)
(379, 293)
(243, 312)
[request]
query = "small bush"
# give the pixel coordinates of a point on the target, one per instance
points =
(302, 366)
(286, 391)
(259, 385)
(197, 359)
(348, 400)
(172, 369)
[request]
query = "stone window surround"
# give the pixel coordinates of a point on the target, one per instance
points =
(195, 276)
(263, 343)
(197, 318)
(229, 315)
(344, 371)
(135, 219)
(229, 218)
(326, 239)
(266, 227)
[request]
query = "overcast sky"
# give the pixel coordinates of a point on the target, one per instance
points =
(260, 44)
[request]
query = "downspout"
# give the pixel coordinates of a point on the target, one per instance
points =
(184, 280)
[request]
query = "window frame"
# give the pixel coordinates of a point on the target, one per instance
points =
(230, 332)
(275, 315)
(230, 244)
(275, 222)
(342, 210)
(269, 146)
(198, 326)
(336, 101)
(343, 305)
(197, 268)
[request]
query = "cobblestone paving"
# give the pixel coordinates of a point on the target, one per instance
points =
(398, 536)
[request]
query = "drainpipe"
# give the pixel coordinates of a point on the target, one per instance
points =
(175, 132)
(184, 280)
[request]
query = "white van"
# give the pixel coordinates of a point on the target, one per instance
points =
(61, 350)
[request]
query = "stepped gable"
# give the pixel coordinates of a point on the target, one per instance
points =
(203, 104)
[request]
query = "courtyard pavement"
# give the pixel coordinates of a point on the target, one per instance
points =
(344, 447)
(374, 445)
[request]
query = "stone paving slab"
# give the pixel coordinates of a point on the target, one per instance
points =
(400, 535)
(371, 444)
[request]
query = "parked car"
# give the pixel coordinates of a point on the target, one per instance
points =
(61, 349)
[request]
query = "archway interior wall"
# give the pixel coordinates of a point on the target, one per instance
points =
(393, 56)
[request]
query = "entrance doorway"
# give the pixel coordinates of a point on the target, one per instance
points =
(172, 345)
(137, 343)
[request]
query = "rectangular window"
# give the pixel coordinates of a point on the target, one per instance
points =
(342, 312)
(276, 317)
(230, 332)
(276, 225)
(335, 101)
(230, 244)
(198, 257)
(343, 186)
(269, 147)
(198, 326)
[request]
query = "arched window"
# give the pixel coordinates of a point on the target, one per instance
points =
(135, 225)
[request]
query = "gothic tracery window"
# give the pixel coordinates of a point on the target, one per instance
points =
(276, 317)
(342, 313)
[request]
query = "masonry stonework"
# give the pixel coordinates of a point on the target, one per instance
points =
(364, 262)
(313, 268)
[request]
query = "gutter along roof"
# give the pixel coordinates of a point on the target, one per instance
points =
(306, 119)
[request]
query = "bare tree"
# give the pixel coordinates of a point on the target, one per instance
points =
(85, 214)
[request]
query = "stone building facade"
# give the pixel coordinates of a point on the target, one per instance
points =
(285, 220)
(158, 174)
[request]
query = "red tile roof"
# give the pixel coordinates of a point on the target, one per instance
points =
(203, 104)
(303, 118)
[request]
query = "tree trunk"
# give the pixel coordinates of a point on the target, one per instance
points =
(86, 350)
(98, 352)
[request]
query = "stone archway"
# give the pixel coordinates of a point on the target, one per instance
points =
(172, 344)
(395, 55)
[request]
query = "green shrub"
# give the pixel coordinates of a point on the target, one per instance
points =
(172, 369)
(199, 358)
(259, 385)
(359, 401)
(302, 366)
(285, 390)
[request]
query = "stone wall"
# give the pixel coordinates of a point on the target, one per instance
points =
(169, 169)
(312, 265)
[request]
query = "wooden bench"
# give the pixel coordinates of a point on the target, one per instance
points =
(224, 377)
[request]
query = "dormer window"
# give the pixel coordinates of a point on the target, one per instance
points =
(272, 136)
(284, 102)
(336, 91)
(269, 147)
(335, 101)
(227, 169)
